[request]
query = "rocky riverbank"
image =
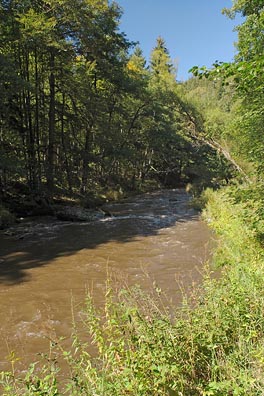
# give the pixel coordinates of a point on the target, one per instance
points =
(34, 227)
(26, 209)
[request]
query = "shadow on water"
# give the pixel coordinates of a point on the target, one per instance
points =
(132, 219)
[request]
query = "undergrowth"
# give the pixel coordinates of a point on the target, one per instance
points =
(212, 347)
(6, 218)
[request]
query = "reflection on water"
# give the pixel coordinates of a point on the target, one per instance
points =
(154, 237)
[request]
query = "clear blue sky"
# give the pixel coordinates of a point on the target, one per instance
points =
(195, 31)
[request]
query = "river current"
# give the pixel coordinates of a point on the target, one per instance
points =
(46, 266)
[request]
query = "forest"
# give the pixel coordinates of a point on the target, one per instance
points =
(84, 116)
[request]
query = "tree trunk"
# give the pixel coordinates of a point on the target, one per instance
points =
(85, 161)
(50, 172)
(65, 151)
(197, 133)
(37, 131)
(29, 128)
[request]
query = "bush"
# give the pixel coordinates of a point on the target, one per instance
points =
(6, 218)
(200, 201)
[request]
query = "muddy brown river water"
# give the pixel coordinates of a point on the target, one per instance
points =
(47, 266)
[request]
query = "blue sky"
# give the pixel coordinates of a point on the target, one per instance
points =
(195, 31)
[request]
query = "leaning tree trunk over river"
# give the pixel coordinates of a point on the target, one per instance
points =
(197, 133)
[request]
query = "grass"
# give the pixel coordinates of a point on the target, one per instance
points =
(211, 347)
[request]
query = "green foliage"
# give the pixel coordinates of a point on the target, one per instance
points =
(199, 199)
(245, 75)
(163, 72)
(69, 87)
(117, 124)
(239, 242)
(251, 198)
(78, 111)
(6, 218)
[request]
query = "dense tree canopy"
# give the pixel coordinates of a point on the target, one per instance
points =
(244, 78)
(82, 110)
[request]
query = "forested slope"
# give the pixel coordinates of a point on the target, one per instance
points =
(80, 110)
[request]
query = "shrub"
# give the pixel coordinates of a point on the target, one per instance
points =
(6, 218)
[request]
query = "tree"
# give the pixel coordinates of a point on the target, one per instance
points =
(79, 112)
(246, 76)
(57, 48)
(161, 66)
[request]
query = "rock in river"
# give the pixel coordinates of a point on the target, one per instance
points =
(76, 213)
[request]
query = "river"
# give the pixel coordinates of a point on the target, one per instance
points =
(47, 266)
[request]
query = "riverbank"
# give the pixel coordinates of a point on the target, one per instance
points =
(18, 203)
(212, 347)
